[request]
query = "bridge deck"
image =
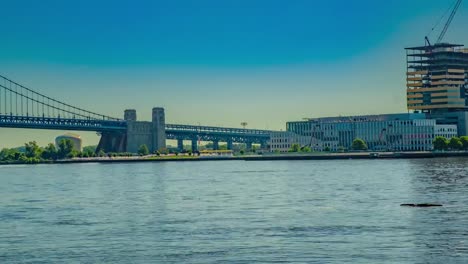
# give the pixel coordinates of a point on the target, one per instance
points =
(61, 123)
(211, 129)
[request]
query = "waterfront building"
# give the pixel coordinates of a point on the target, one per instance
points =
(74, 138)
(395, 132)
(282, 141)
(446, 131)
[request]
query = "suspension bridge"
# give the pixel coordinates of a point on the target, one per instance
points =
(24, 108)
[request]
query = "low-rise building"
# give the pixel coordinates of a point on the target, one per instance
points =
(395, 132)
(74, 138)
(446, 131)
(282, 141)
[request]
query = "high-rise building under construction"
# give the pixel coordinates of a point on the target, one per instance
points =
(437, 78)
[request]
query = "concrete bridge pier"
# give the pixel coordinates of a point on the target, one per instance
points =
(180, 144)
(229, 144)
(112, 142)
(215, 144)
(248, 146)
(194, 144)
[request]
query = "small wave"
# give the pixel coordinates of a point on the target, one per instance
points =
(33, 201)
(75, 223)
(11, 216)
(177, 222)
(257, 171)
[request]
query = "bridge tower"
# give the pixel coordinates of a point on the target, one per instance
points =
(152, 134)
(159, 128)
(130, 115)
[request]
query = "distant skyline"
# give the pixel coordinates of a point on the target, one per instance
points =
(217, 62)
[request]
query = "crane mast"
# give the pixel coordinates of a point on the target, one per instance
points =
(449, 21)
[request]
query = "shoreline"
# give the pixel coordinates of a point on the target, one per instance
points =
(268, 157)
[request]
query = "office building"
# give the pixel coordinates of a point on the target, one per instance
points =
(394, 132)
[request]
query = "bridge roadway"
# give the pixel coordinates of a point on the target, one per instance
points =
(54, 123)
(173, 131)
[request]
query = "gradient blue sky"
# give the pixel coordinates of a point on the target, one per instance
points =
(217, 62)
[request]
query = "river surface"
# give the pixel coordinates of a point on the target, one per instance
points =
(235, 212)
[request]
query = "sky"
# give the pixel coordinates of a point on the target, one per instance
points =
(214, 62)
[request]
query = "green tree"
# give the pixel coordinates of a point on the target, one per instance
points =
(464, 141)
(254, 148)
(143, 150)
(306, 149)
(101, 153)
(89, 152)
(7, 155)
(65, 149)
(359, 144)
(222, 147)
(295, 148)
(455, 143)
(89, 149)
(326, 149)
(163, 151)
(32, 150)
(50, 152)
(440, 143)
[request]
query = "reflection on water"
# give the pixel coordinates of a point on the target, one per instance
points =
(235, 211)
(443, 231)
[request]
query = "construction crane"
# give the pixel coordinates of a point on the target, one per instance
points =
(449, 21)
(446, 26)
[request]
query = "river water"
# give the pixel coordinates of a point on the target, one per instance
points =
(235, 212)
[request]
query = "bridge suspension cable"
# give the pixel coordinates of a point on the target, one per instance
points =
(18, 100)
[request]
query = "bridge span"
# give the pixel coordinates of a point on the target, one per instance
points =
(24, 108)
(216, 135)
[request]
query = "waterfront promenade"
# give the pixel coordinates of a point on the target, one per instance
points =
(270, 157)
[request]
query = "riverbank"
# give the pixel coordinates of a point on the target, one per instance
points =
(265, 157)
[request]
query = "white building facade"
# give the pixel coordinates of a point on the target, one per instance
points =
(396, 132)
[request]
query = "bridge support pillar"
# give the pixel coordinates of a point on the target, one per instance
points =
(112, 142)
(194, 144)
(248, 146)
(229, 144)
(215, 144)
(180, 144)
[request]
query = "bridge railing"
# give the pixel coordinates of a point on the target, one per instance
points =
(61, 123)
(199, 129)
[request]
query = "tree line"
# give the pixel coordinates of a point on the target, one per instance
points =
(455, 143)
(32, 153)
(358, 144)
